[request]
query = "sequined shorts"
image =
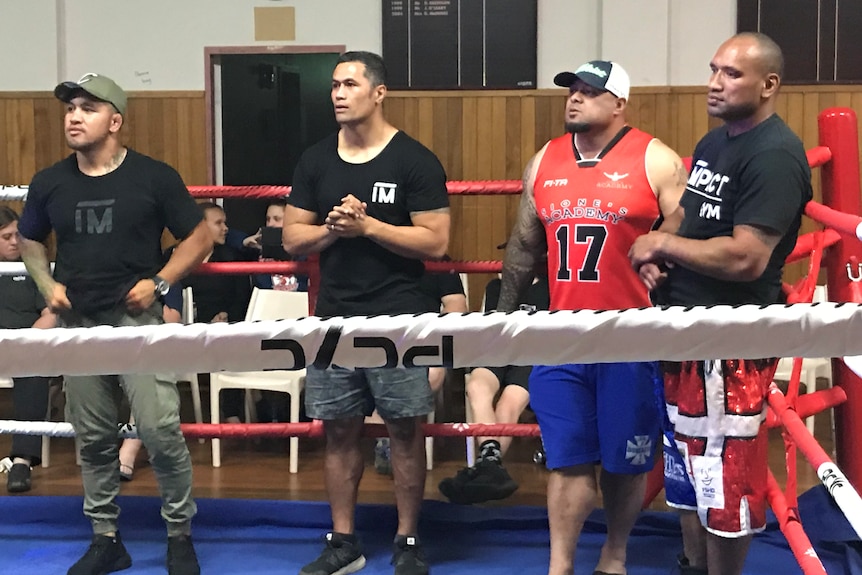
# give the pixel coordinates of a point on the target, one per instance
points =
(719, 443)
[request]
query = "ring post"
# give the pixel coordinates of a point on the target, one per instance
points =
(841, 191)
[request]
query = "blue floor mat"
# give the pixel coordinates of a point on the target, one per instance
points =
(45, 535)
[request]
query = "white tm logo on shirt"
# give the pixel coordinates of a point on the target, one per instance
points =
(383, 193)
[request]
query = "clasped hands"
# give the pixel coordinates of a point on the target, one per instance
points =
(349, 219)
(646, 261)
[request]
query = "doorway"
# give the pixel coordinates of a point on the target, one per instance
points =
(264, 108)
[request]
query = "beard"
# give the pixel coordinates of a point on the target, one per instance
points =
(733, 113)
(577, 127)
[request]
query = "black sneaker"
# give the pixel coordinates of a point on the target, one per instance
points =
(491, 481)
(18, 480)
(453, 487)
(182, 559)
(407, 556)
(686, 568)
(341, 556)
(105, 555)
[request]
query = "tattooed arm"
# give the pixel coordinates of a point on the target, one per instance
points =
(527, 243)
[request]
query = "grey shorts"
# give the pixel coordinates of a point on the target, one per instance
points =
(340, 393)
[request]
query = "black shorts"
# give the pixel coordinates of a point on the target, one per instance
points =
(513, 375)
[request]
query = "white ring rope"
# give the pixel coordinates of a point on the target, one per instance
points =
(18, 193)
(453, 340)
(56, 429)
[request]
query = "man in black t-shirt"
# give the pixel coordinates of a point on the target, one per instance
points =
(373, 202)
(108, 206)
(21, 306)
(737, 222)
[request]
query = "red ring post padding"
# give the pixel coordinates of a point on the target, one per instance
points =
(841, 191)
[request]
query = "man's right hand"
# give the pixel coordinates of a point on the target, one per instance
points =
(57, 300)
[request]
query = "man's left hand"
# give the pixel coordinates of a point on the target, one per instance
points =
(647, 249)
(142, 295)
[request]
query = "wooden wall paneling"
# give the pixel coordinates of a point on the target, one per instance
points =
(484, 132)
(136, 128)
(425, 131)
(513, 125)
(469, 138)
(411, 117)
(155, 143)
(184, 139)
(393, 108)
(199, 145)
(171, 131)
(791, 108)
(528, 131)
(662, 111)
(454, 143)
(5, 165)
(684, 128)
(440, 138)
(496, 145)
(21, 133)
(456, 235)
(467, 206)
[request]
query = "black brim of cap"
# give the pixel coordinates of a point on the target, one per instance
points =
(565, 79)
(66, 91)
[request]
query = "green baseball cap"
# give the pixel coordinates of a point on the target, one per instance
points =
(97, 86)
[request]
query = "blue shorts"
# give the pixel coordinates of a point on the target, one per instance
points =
(604, 413)
(340, 393)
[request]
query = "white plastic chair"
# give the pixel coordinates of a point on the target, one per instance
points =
(812, 368)
(265, 305)
(188, 317)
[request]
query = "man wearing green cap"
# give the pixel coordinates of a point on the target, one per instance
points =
(108, 206)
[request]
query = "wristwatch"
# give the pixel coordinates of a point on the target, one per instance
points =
(162, 286)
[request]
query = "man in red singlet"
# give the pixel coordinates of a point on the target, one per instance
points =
(587, 196)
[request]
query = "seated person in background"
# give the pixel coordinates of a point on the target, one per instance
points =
(443, 293)
(220, 297)
(22, 306)
(488, 479)
(264, 246)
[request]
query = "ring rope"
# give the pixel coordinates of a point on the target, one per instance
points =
(833, 479)
(451, 340)
(791, 527)
(305, 429)
(296, 267)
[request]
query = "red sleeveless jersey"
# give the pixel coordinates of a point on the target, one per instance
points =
(593, 210)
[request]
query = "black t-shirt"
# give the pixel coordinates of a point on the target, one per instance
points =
(359, 276)
(759, 178)
(215, 293)
(21, 304)
(435, 286)
(537, 297)
(109, 228)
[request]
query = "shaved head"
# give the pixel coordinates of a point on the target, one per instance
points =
(769, 54)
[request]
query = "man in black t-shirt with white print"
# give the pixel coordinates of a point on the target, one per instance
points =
(373, 202)
(108, 206)
(737, 221)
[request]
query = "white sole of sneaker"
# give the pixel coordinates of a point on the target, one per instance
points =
(352, 567)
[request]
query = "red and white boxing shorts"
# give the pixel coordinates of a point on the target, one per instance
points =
(717, 409)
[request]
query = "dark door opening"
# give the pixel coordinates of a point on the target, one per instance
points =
(272, 107)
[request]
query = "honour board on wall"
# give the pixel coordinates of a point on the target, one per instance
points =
(460, 44)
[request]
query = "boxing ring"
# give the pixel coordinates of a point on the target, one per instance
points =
(799, 329)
